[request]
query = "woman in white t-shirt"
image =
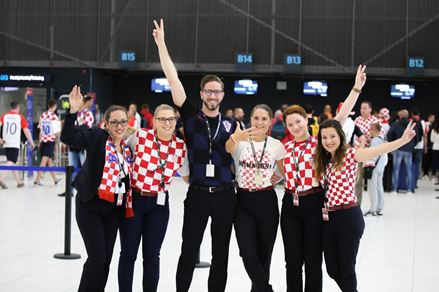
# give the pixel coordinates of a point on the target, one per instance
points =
(257, 217)
(336, 166)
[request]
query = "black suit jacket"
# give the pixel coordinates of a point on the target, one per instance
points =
(93, 141)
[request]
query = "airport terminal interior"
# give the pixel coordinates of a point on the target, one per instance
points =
(373, 62)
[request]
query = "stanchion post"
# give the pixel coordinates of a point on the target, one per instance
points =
(68, 219)
(200, 264)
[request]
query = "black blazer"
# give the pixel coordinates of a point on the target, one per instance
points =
(93, 141)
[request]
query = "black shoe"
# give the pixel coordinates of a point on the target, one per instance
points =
(370, 213)
(379, 213)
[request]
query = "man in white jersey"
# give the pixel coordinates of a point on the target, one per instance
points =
(12, 123)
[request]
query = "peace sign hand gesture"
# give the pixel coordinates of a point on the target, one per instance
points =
(75, 99)
(159, 32)
(409, 133)
(360, 78)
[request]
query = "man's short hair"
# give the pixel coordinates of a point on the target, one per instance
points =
(368, 102)
(209, 78)
(377, 126)
(14, 104)
(51, 103)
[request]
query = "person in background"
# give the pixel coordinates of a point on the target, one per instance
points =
(229, 113)
(384, 118)
(158, 155)
(336, 167)
(313, 121)
(426, 163)
(434, 138)
(148, 117)
(277, 129)
(102, 185)
(421, 127)
(405, 153)
(134, 119)
(49, 130)
(12, 123)
(363, 122)
(211, 190)
(327, 111)
(257, 217)
(375, 184)
(351, 130)
(238, 115)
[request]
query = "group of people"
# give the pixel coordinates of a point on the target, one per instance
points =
(124, 184)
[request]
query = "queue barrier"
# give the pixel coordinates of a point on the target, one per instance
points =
(69, 170)
(68, 203)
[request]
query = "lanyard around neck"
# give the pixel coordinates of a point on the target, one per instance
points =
(209, 131)
(258, 163)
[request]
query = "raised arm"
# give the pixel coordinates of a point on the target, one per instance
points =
(351, 100)
(365, 154)
(177, 89)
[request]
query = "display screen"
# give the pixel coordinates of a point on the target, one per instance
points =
(159, 85)
(315, 88)
(246, 86)
(402, 91)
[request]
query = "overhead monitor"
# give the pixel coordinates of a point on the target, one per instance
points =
(315, 88)
(402, 91)
(159, 85)
(246, 87)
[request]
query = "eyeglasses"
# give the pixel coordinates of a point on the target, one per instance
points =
(209, 92)
(116, 123)
(171, 120)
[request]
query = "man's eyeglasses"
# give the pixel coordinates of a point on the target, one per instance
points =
(209, 92)
(171, 120)
(116, 123)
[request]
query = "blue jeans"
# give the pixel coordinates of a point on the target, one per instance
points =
(407, 158)
(149, 223)
(76, 159)
(416, 168)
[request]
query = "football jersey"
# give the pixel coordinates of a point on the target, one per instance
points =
(49, 126)
(12, 123)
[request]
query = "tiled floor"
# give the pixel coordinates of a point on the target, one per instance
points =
(399, 251)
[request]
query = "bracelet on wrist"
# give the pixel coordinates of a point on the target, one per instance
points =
(356, 90)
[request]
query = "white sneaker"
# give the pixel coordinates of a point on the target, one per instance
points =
(393, 193)
(410, 193)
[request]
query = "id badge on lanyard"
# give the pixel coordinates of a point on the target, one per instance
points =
(210, 168)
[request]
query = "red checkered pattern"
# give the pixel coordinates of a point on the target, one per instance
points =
(341, 183)
(147, 175)
(306, 165)
(85, 117)
(46, 120)
(364, 125)
(246, 164)
(111, 170)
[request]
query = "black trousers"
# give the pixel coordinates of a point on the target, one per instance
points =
(341, 239)
(149, 223)
(256, 224)
(302, 233)
(98, 221)
(198, 206)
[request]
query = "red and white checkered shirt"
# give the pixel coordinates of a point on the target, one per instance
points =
(246, 166)
(306, 171)
(364, 125)
(85, 117)
(47, 127)
(147, 175)
(341, 183)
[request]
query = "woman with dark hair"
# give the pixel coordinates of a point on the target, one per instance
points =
(336, 166)
(102, 185)
(257, 216)
(301, 216)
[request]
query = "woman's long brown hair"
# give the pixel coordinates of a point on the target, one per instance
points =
(323, 157)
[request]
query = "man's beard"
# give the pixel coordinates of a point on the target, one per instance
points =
(211, 107)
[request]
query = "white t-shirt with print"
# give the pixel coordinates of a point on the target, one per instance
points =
(246, 166)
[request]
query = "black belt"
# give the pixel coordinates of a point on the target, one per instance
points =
(210, 189)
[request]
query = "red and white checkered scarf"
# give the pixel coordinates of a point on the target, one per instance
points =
(110, 174)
